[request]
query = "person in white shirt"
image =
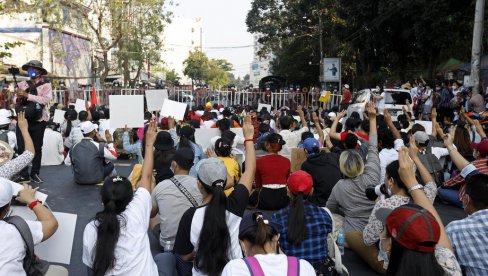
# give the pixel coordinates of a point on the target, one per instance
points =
(427, 98)
(380, 101)
(5, 121)
(76, 135)
(258, 236)
(116, 241)
(292, 138)
(53, 147)
(13, 249)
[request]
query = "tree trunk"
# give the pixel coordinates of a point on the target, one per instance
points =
(106, 69)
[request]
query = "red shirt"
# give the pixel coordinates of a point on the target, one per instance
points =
(362, 136)
(272, 169)
(346, 96)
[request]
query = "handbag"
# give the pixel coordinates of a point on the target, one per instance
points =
(184, 191)
(332, 265)
(33, 266)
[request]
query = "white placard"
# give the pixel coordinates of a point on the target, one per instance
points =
(16, 188)
(174, 109)
(57, 249)
(59, 116)
(204, 135)
(126, 110)
(427, 125)
(260, 107)
(155, 99)
(297, 118)
(80, 105)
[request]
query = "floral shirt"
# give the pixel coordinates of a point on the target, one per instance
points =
(373, 229)
(14, 166)
(448, 262)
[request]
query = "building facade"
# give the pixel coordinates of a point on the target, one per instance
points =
(260, 66)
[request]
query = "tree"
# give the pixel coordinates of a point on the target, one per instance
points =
(172, 78)
(218, 75)
(197, 66)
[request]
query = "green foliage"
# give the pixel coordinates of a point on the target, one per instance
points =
(200, 68)
(4, 49)
(172, 78)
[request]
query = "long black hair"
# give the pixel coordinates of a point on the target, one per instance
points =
(392, 171)
(405, 262)
(259, 234)
(70, 115)
(214, 241)
(116, 194)
(296, 220)
(223, 147)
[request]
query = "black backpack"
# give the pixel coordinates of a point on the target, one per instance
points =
(32, 110)
(433, 165)
(32, 265)
(87, 162)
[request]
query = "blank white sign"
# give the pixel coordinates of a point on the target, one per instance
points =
(171, 108)
(126, 110)
(155, 99)
(204, 135)
(59, 116)
(268, 106)
(80, 105)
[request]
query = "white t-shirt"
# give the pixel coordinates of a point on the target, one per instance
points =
(52, 149)
(387, 156)
(272, 265)
(428, 95)
(380, 104)
(132, 252)
(13, 249)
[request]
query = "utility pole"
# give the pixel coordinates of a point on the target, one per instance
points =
(476, 47)
(322, 80)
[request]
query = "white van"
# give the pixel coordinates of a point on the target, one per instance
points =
(395, 100)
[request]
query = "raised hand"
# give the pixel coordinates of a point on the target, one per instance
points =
(406, 169)
(22, 122)
(248, 128)
(151, 134)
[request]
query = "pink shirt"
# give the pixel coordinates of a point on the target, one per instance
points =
(44, 95)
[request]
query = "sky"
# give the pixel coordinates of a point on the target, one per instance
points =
(224, 25)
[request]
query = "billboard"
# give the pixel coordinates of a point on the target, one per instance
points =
(332, 69)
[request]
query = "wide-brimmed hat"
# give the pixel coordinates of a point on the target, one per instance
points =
(34, 64)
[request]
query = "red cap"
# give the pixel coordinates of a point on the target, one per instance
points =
(412, 226)
(300, 182)
(164, 121)
(482, 147)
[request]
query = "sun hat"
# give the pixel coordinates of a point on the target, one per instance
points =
(412, 226)
(34, 64)
(300, 182)
(6, 192)
(251, 220)
(164, 141)
(212, 172)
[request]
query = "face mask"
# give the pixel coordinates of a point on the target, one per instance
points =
(32, 73)
(384, 255)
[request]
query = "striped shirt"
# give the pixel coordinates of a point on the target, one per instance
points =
(481, 166)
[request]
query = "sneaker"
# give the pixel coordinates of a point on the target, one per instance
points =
(36, 179)
(21, 179)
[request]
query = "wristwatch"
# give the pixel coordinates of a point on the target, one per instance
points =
(416, 187)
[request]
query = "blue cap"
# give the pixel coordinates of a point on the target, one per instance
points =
(310, 143)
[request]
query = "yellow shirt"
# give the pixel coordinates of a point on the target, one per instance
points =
(232, 168)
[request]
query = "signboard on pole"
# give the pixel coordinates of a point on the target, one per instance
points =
(332, 69)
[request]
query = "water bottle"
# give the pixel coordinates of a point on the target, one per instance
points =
(341, 240)
(168, 246)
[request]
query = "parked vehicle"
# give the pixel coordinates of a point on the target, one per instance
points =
(395, 101)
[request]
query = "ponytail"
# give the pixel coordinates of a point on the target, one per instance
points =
(223, 147)
(69, 125)
(296, 222)
(214, 240)
(259, 234)
(116, 195)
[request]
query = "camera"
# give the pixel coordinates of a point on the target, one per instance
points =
(373, 192)
(14, 70)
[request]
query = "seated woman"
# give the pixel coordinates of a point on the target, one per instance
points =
(348, 197)
(187, 139)
(414, 240)
(305, 225)
(365, 243)
(223, 148)
(116, 241)
(272, 172)
(259, 236)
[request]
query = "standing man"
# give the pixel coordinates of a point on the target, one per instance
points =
(32, 98)
(346, 97)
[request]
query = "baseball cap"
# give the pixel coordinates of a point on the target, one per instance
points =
(6, 192)
(87, 127)
(275, 138)
(5, 117)
(212, 172)
(412, 226)
(421, 137)
(481, 147)
(310, 143)
(300, 182)
(332, 115)
(164, 141)
(184, 157)
(346, 86)
(251, 220)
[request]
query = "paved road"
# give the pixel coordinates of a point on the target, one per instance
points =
(66, 196)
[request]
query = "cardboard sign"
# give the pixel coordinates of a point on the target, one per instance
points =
(204, 135)
(298, 156)
(57, 249)
(427, 125)
(126, 110)
(260, 107)
(155, 99)
(16, 188)
(173, 109)
(80, 105)
(59, 116)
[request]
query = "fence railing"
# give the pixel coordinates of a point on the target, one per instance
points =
(277, 100)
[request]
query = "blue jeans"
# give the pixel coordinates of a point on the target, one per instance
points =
(450, 195)
(166, 263)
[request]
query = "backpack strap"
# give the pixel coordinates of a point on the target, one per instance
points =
(184, 191)
(254, 267)
(26, 235)
(293, 266)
